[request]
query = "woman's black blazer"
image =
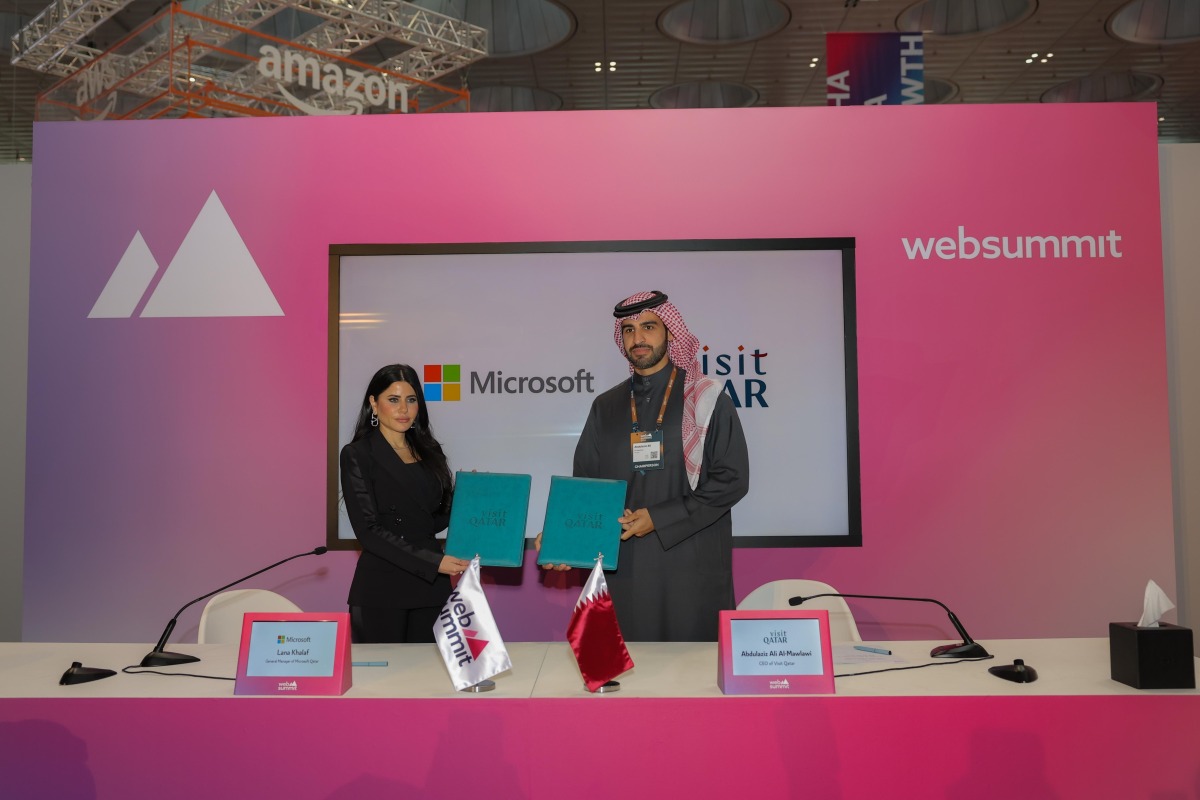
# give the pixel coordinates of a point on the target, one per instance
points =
(393, 508)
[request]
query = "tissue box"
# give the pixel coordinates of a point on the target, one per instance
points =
(1151, 658)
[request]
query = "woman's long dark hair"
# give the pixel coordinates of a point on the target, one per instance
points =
(420, 437)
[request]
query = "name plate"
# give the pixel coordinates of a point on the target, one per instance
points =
(775, 652)
(294, 654)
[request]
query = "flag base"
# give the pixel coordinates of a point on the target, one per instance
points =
(608, 688)
(482, 686)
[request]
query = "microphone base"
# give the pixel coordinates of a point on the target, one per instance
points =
(964, 650)
(161, 658)
(78, 673)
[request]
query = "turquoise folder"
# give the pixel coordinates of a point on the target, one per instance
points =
(581, 522)
(488, 518)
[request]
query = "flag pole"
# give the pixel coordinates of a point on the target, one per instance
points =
(467, 637)
(485, 685)
(608, 687)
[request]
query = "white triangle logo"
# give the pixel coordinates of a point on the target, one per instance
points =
(128, 283)
(213, 274)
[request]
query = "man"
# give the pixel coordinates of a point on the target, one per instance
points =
(686, 466)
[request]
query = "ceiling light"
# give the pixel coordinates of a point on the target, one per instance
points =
(723, 22)
(513, 98)
(704, 94)
(1105, 88)
(1168, 22)
(965, 17)
(515, 27)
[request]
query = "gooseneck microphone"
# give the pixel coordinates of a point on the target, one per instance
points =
(968, 649)
(160, 658)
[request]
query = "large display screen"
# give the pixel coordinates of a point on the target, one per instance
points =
(514, 341)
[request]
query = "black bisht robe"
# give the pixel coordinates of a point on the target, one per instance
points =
(669, 585)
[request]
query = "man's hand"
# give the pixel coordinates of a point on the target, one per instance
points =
(537, 545)
(635, 523)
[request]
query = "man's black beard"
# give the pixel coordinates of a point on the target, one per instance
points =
(657, 354)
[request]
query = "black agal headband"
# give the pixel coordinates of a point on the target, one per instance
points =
(656, 299)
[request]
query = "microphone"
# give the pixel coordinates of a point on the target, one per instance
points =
(160, 658)
(968, 649)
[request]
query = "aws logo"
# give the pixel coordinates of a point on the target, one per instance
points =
(737, 369)
(211, 275)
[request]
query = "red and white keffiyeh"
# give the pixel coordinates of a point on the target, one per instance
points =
(699, 393)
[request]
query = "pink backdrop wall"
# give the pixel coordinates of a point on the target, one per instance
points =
(991, 747)
(1015, 453)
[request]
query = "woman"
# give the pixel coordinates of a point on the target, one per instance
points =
(397, 488)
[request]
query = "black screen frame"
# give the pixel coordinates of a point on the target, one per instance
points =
(845, 245)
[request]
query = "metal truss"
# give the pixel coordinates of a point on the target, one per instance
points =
(437, 45)
(447, 44)
(50, 42)
(434, 44)
(181, 63)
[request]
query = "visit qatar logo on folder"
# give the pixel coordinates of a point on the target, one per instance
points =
(488, 518)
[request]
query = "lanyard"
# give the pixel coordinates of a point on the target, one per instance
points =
(662, 409)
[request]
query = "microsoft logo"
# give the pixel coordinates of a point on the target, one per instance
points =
(279, 639)
(443, 382)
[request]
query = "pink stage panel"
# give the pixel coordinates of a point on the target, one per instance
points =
(604, 747)
(1014, 431)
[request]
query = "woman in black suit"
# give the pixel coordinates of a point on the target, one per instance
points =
(397, 488)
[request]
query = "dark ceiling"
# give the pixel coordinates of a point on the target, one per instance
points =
(1102, 50)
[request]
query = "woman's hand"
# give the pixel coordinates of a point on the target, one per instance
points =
(453, 566)
(537, 545)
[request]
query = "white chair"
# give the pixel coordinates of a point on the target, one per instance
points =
(775, 595)
(221, 620)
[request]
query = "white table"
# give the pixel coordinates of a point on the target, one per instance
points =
(401, 730)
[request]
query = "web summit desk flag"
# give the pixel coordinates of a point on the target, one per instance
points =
(467, 634)
(594, 634)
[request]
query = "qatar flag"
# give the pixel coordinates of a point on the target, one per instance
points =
(595, 636)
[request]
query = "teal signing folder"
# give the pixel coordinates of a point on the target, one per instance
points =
(488, 518)
(581, 522)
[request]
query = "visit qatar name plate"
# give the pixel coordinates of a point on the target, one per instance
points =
(774, 652)
(294, 654)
